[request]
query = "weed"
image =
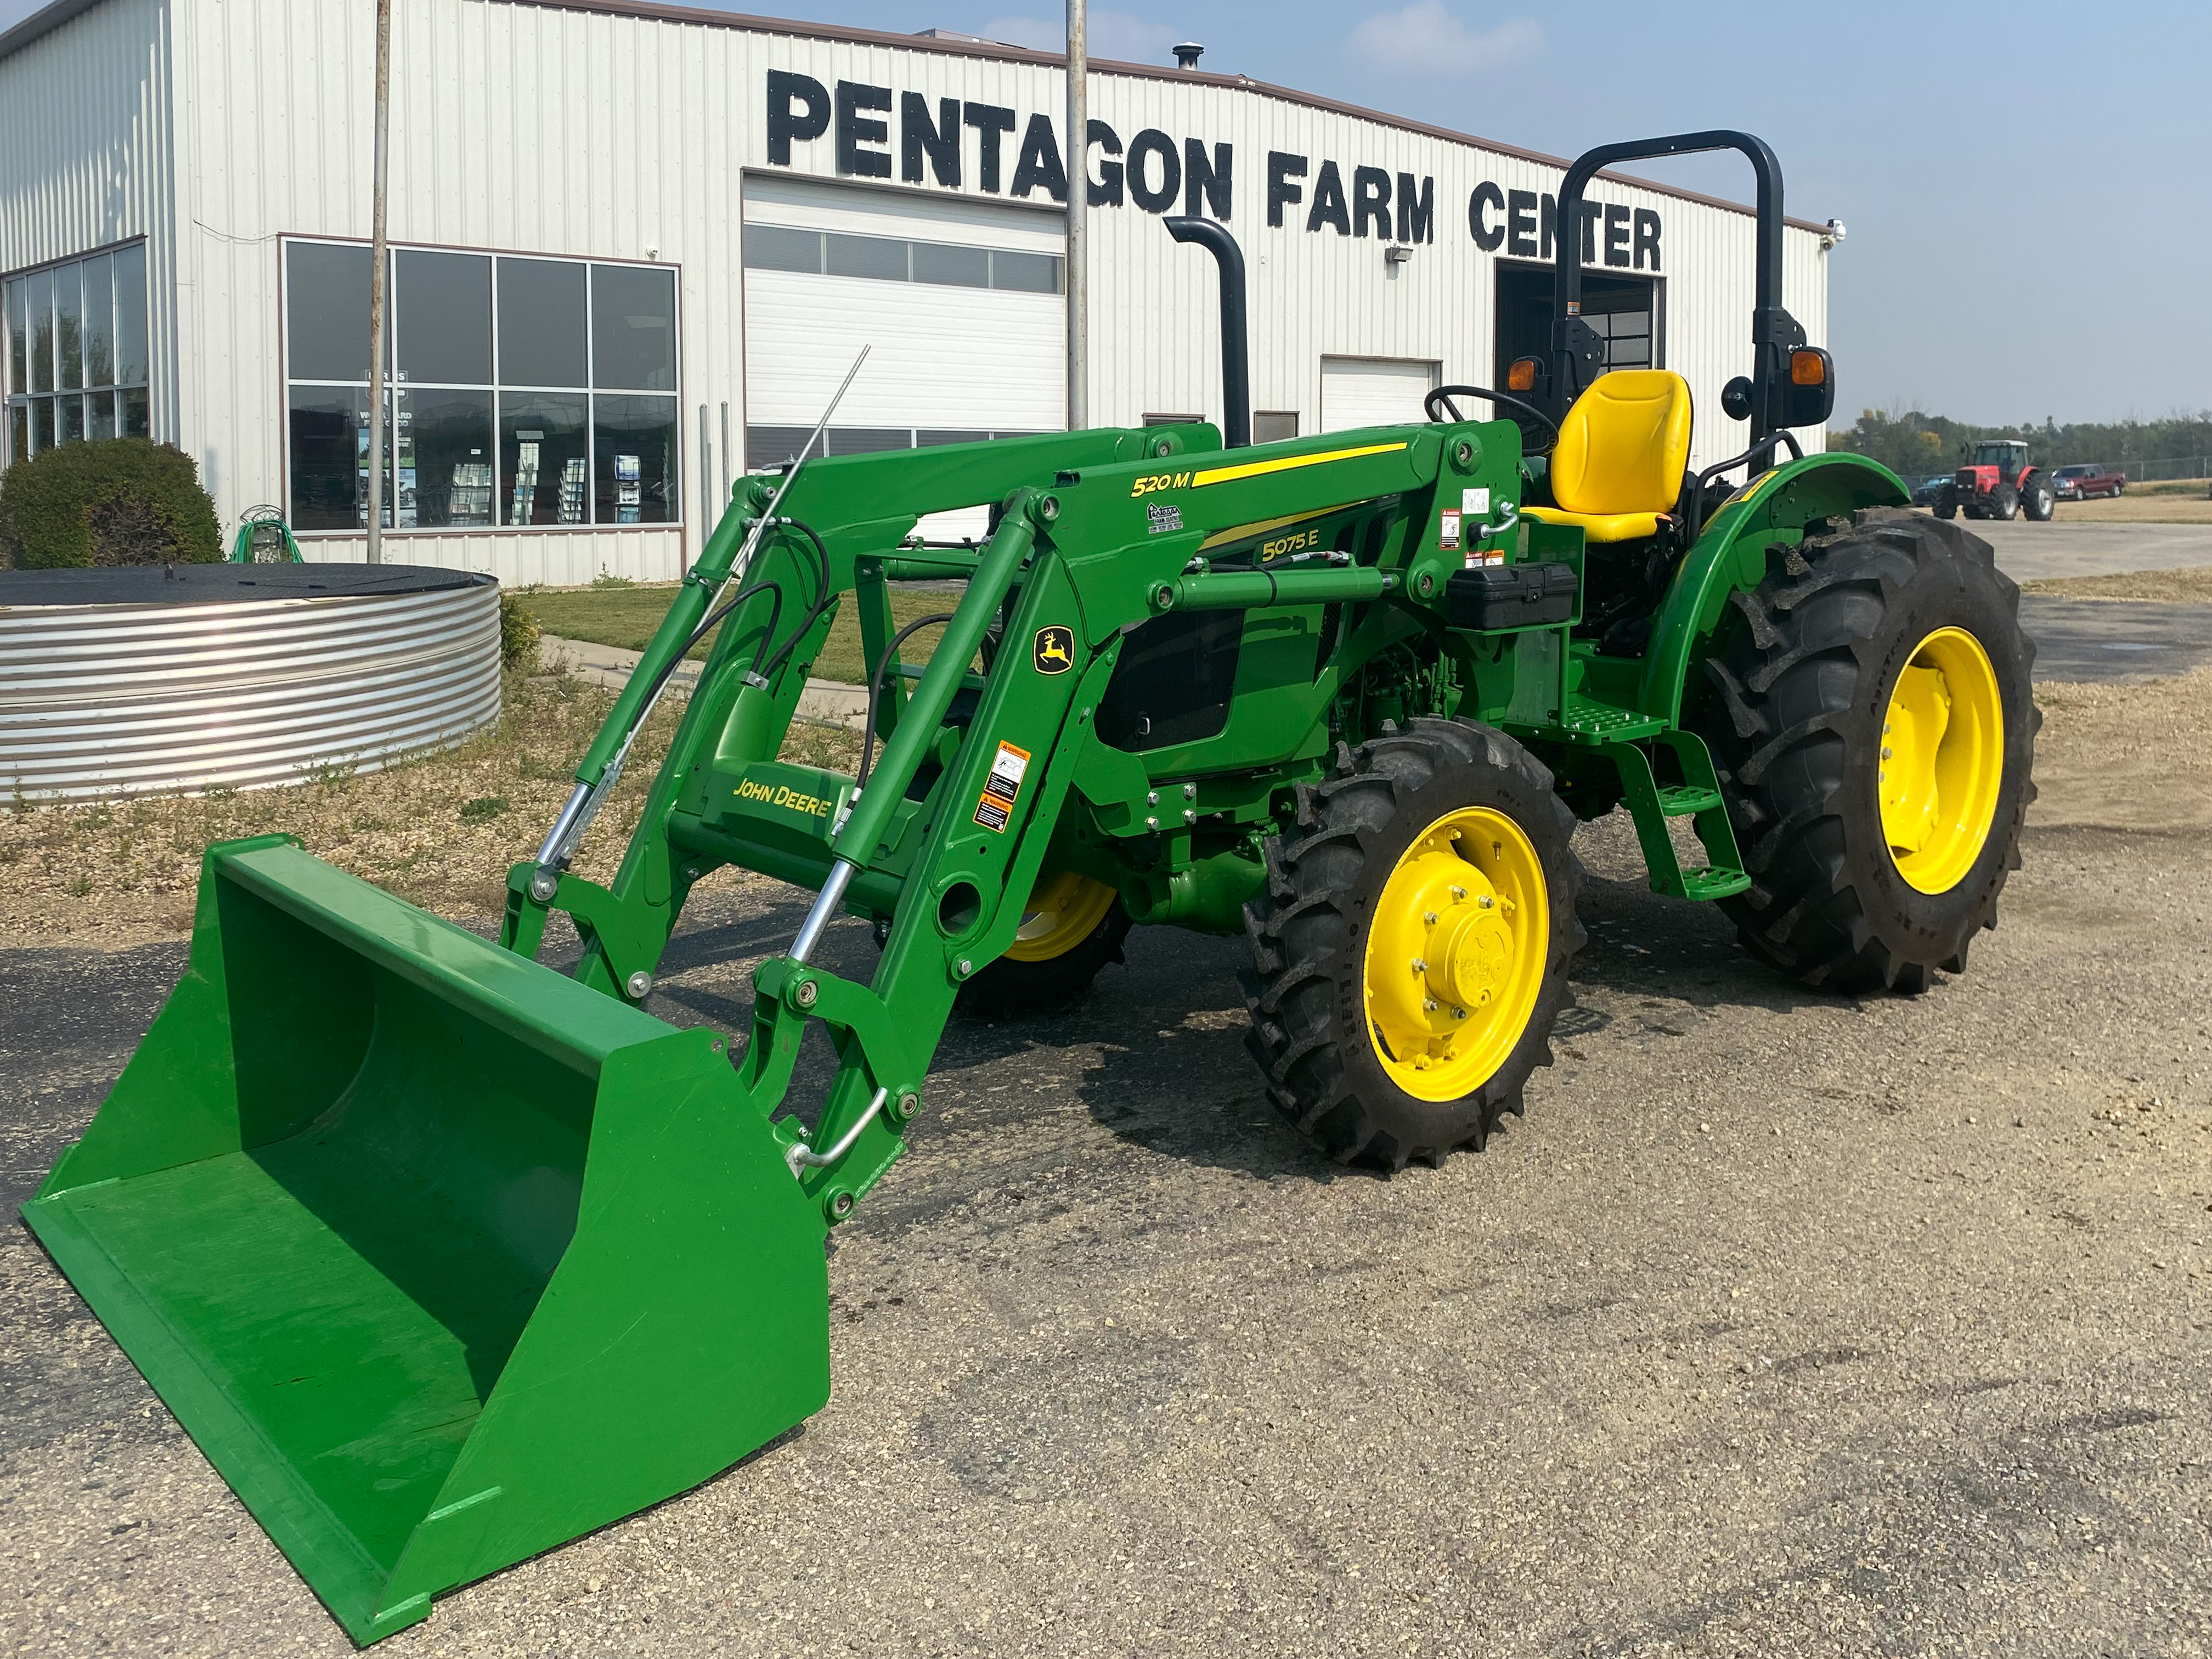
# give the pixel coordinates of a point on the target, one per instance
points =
(483, 809)
(607, 578)
(79, 886)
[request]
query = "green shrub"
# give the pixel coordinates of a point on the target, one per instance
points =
(518, 633)
(121, 501)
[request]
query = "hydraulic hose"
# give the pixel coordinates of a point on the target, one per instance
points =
(875, 686)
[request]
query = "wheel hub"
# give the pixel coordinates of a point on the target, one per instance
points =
(1943, 760)
(1456, 953)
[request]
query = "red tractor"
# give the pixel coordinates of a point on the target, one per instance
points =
(1999, 484)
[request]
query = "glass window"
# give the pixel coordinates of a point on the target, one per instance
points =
(774, 247)
(130, 316)
(68, 326)
(65, 328)
(634, 454)
(956, 267)
(327, 295)
(330, 441)
(926, 439)
(878, 257)
(768, 448)
(11, 306)
(40, 303)
(441, 317)
(544, 464)
(868, 439)
(493, 420)
(633, 329)
(100, 321)
(541, 324)
(445, 461)
(1032, 273)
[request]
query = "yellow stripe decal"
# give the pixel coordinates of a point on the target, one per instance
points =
(1259, 529)
(1257, 469)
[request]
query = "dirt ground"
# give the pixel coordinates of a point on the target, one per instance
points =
(2139, 507)
(1786, 1324)
(2191, 586)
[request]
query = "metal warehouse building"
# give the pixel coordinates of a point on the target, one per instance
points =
(636, 247)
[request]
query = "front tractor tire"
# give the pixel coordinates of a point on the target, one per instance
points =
(1410, 950)
(2039, 501)
(1876, 733)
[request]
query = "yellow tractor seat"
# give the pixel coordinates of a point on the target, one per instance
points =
(1617, 469)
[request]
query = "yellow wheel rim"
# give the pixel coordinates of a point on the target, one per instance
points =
(1456, 955)
(1943, 760)
(1063, 908)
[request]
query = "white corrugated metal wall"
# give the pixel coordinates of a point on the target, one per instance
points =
(86, 158)
(530, 128)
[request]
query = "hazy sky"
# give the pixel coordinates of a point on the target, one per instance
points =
(2028, 186)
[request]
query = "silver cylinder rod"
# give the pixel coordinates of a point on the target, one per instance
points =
(825, 908)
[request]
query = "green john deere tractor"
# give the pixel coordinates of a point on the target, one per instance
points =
(444, 1257)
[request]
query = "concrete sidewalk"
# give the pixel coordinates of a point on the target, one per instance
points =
(831, 702)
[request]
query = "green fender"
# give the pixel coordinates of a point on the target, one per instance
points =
(1731, 554)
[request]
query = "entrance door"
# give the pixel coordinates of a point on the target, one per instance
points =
(1623, 310)
(1373, 392)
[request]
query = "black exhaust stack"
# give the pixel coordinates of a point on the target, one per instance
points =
(1236, 355)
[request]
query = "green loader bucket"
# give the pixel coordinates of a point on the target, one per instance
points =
(442, 1258)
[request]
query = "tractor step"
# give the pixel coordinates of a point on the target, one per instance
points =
(1681, 801)
(1589, 720)
(1713, 883)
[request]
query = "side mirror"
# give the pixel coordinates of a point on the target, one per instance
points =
(1735, 398)
(1807, 395)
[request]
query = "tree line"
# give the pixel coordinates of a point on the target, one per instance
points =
(1915, 444)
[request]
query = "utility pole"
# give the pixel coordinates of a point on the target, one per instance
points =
(1079, 234)
(378, 260)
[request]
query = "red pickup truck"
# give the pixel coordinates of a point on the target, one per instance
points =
(2080, 482)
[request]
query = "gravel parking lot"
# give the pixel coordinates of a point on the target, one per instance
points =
(1785, 1323)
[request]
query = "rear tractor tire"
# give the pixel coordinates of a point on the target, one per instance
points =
(1410, 950)
(1946, 502)
(1876, 733)
(1071, 927)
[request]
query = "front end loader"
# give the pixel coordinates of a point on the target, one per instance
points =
(444, 1257)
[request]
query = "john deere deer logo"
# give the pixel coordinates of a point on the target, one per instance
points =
(1055, 650)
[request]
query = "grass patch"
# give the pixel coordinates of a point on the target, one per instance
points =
(439, 830)
(627, 616)
(2141, 505)
(2191, 585)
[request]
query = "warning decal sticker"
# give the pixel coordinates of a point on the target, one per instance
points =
(995, 809)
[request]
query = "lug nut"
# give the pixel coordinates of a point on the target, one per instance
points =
(1190, 815)
(1190, 792)
(1430, 917)
(1459, 892)
(1458, 1014)
(1486, 901)
(1428, 1005)
(1419, 966)
(1886, 752)
(1151, 823)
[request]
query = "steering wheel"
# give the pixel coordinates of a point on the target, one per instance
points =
(1444, 394)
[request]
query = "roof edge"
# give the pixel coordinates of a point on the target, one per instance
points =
(44, 23)
(41, 23)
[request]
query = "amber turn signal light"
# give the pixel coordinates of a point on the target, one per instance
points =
(1807, 368)
(1522, 376)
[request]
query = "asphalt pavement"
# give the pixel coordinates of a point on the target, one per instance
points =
(2030, 552)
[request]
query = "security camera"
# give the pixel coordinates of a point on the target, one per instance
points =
(1835, 233)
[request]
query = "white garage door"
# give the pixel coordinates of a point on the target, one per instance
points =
(959, 302)
(1373, 392)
